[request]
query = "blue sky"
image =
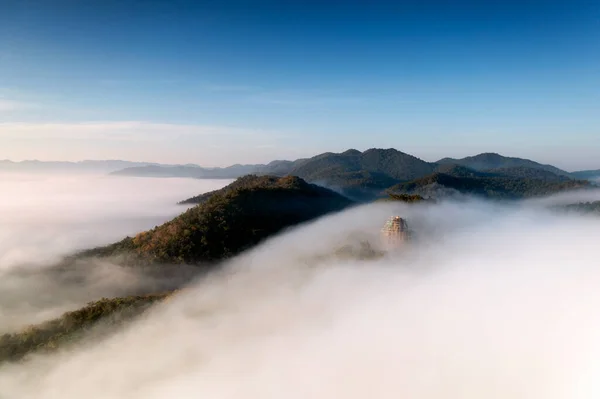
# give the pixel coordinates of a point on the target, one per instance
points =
(222, 82)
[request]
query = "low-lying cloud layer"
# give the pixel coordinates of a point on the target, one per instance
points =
(491, 301)
(45, 217)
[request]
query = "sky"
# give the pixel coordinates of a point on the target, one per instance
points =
(222, 82)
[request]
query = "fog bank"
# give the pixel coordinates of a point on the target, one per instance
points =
(44, 217)
(492, 301)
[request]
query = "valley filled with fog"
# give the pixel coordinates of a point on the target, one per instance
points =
(492, 300)
(44, 217)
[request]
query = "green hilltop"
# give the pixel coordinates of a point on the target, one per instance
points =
(229, 221)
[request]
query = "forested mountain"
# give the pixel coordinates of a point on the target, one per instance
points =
(488, 161)
(389, 162)
(492, 186)
(230, 220)
(459, 171)
(587, 174)
(360, 175)
(528, 173)
(357, 174)
(364, 176)
(368, 175)
(99, 318)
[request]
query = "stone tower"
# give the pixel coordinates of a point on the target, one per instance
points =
(395, 232)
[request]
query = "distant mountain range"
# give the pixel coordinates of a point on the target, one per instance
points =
(81, 166)
(371, 164)
(364, 175)
(191, 171)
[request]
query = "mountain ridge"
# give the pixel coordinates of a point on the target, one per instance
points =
(492, 160)
(276, 167)
(489, 186)
(229, 221)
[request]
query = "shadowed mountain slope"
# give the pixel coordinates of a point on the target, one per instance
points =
(487, 161)
(497, 187)
(587, 174)
(97, 319)
(230, 220)
(363, 176)
(389, 162)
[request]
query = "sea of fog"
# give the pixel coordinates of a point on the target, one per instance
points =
(491, 301)
(44, 217)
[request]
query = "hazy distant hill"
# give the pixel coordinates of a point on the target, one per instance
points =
(191, 171)
(81, 166)
(390, 163)
(281, 167)
(275, 168)
(366, 175)
(362, 174)
(489, 161)
(230, 220)
(587, 174)
(497, 187)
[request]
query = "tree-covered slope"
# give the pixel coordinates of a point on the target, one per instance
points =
(526, 172)
(587, 174)
(387, 162)
(230, 220)
(498, 187)
(488, 161)
(406, 198)
(99, 317)
(361, 175)
(582, 207)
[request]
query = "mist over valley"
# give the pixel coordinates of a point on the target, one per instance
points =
(484, 291)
